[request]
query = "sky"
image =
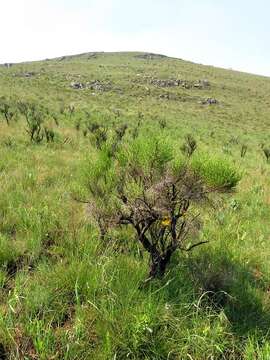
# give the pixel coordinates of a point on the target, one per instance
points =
(226, 33)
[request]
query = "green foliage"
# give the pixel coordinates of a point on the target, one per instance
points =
(100, 175)
(189, 146)
(36, 116)
(147, 154)
(8, 109)
(216, 171)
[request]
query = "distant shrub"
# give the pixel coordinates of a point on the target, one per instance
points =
(55, 118)
(116, 139)
(136, 129)
(189, 146)
(120, 132)
(35, 116)
(266, 152)
(34, 119)
(92, 126)
(98, 132)
(71, 109)
(49, 134)
(100, 136)
(162, 123)
(143, 188)
(227, 148)
(8, 109)
(243, 150)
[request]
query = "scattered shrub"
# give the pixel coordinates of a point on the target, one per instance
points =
(92, 126)
(120, 132)
(243, 150)
(162, 123)
(100, 136)
(35, 116)
(189, 146)
(135, 131)
(266, 152)
(49, 134)
(71, 109)
(7, 109)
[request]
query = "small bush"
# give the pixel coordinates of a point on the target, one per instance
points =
(136, 130)
(120, 132)
(35, 116)
(266, 152)
(162, 123)
(8, 109)
(243, 150)
(49, 134)
(142, 188)
(189, 146)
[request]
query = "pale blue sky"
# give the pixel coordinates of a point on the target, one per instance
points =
(226, 33)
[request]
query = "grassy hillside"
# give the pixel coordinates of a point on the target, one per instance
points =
(66, 291)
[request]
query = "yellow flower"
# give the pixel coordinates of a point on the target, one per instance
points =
(166, 221)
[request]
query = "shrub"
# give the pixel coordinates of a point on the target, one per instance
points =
(266, 152)
(100, 136)
(98, 133)
(135, 131)
(7, 109)
(92, 126)
(144, 189)
(243, 150)
(120, 132)
(71, 109)
(162, 123)
(49, 134)
(189, 146)
(35, 116)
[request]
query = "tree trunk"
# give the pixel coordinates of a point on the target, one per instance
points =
(159, 264)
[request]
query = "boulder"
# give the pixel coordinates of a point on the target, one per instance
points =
(77, 85)
(201, 84)
(209, 101)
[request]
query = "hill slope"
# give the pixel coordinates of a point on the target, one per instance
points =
(65, 293)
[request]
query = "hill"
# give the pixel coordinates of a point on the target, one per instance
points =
(68, 291)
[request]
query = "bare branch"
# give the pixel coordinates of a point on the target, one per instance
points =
(194, 245)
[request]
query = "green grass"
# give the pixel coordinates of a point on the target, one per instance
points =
(65, 294)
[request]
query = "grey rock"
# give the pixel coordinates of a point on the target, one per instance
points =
(77, 85)
(209, 101)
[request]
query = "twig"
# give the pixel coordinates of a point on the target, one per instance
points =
(194, 245)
